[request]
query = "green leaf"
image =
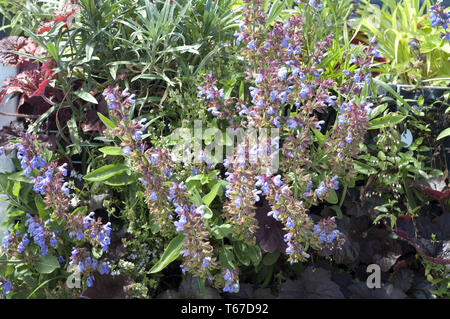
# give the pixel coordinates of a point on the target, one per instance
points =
(363, 168)
(385, 121)
(337, 210)
(52, 50)
(254, 252)
(208, 214)
(40, 205)
(271, 258)
(171, 253)
(109, 124)
(97, 252)
(105, 172)
(222, 231)
(332, 197)
(226, 257)
(382, 209)
(47, 264)
(111, 150)
(16, 189)
(444, 133)
(86, 96)
(19, 176)
(121, 179)
(241, 252)
(321, 139)
(207, 199)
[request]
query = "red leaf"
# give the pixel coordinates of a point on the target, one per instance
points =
(29, 83)
(45, 26)
(14, 43)
(436, 194)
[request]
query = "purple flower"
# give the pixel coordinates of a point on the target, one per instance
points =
(341, 119)
(104, 268)
(239, 37)
(238, 201)
(285, 41)
(318, 125)
(251, 45)
(290, 223)
(276, 121)
(7, 286)
(126, 150)
(322, 188)
(273, 95)
(90, 281)
(282, 73)
(349, 138)
(274, 214)
(180, 224)
(258, 78)
(292, 124)
(304, 91)
(206, 261)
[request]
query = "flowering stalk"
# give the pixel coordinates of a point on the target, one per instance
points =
(156, 167)
(290, 90)
(48, 178)
(440, 16)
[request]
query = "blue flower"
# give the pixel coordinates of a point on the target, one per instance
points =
(180, 224)
(341, 119)
(201, 91)
(238, 201)
(104, 268)
(332, 236)
(23, 244)
(277, 180)
(289, 50)
(335, 182)
(322, 188)
(53, 241)
(126, 150)
(316, 229)
(206, 261)
(253, 91)
(319, 125)
(274, 214)
(239, 37)
(137, 135)
(285, 41)
(153, 196)
(260, 103)
(282, 73)
(258, 78)
(273, 95)
(304, 91)
(283, 96)
(276, 121)
(292, 124)
(44, 251)
(290, 223)
(349, 138)
(7, 286)
(90, 281)
(251, 45)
